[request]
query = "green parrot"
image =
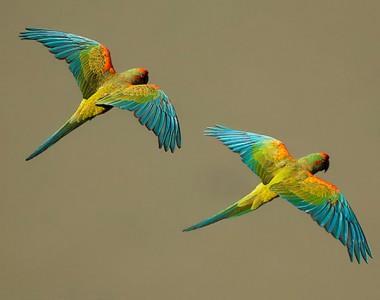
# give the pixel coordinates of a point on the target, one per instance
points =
(294, 180)
(102, 88)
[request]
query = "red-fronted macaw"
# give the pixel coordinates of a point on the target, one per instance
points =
(294, 180)
(102, 88)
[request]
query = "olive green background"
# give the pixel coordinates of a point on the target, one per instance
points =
(99, 215)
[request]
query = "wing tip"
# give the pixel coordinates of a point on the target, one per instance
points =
(215, 128)
(29, 30)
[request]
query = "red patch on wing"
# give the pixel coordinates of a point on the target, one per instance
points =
(107, 60)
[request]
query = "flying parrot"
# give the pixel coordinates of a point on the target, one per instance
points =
(294, 180)
(103, 88)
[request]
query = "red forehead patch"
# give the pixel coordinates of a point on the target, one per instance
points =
(142, 70)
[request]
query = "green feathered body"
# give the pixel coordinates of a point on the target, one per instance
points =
(294, 180)
(103, 88)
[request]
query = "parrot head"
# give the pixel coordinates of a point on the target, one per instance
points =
(136, 76)
(315, 162)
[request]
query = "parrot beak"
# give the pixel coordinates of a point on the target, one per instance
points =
(146, 79)
(327, 166)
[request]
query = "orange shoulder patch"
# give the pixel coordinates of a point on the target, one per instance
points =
(107, 60)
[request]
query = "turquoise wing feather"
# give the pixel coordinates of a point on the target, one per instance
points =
(153, 109)
(262, 154)
(89, 61)
(329, 208)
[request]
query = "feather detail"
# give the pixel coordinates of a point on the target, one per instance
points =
(329, 208)
(153, 109)
(264, 155)
(89, 61)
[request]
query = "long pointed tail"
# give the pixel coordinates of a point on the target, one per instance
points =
(69, 126)
(232, 211)
(259, 196)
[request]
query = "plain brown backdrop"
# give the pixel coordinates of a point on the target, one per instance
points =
(99, 215)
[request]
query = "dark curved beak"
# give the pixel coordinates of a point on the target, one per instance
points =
(146, 79)
(327, 165)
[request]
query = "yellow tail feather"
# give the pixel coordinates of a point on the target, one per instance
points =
(260, 195)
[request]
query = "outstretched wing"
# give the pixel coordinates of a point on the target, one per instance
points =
(328, 207)
(264, 155)
(90, 62)
(153, 109)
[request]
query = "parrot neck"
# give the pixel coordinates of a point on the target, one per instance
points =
(127, 76)
(307, 163)
(315, 162)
